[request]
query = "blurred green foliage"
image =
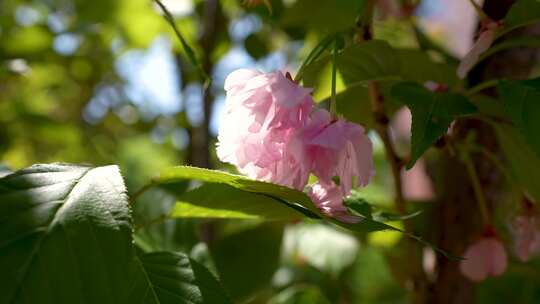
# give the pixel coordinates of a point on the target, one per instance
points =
(45, 91)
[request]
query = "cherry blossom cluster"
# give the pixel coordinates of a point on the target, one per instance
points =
(272, 132)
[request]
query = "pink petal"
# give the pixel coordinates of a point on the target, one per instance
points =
(481, 45)
(486, 257)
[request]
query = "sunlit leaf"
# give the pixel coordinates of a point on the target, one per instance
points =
(224, 201)
(66, 238)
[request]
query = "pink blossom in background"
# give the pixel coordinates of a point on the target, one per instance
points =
(270, 134)
(416, 184)
(484, 258)
(329, 200)
(482, 44)
(525, 229)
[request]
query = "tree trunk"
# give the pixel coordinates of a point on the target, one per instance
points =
(456, 218)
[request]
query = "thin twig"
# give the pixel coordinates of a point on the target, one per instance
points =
(139, 192)
(482, 86)
(381, 127)
(189, 51)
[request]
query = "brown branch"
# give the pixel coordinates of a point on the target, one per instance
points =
(382, 129)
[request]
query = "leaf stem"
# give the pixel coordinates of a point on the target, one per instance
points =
(139, 192)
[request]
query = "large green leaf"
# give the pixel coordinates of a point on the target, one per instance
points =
(65, 237)
(247, 259)
(377, 60)
(522, 13)
(211, 200)
(432, 114)
(523, 161)
(176, 278)
(522, 104)
(224, 201)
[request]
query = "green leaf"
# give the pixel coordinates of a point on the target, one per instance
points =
(522, 13)
(523, 161)
(224, 201)
(371, 60)
(246, 260)
(4, 170)
(522, 105)
(432, 114)
(359, 206)
(176, 278)
(65, 235)
(322, 15)
(204, 202)
(293, 198)
(417, 66)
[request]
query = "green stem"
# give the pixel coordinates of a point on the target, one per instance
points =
(482, 86)
(333, 102)
(500, 166)
(477, 188)
(139, 192)
(189, 51)
(314, 55)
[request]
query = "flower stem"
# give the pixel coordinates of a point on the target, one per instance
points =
(333, 102)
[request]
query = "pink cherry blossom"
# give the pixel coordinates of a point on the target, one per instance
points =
(338, 148)
(484, 258)
(269, 134)
(526, 232)
(270, 98)
(525, 229)
(482, 44)
(263, 110)
(329, 200)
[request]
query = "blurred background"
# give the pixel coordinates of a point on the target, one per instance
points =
(107, 82)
